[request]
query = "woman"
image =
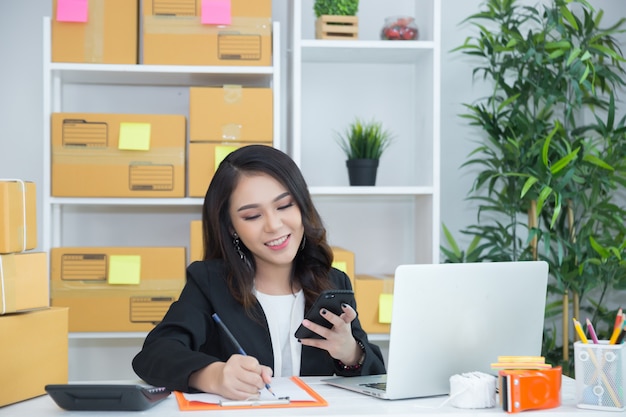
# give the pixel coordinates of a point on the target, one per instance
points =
(266, 260)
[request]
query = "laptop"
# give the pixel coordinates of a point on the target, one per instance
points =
(454, 318)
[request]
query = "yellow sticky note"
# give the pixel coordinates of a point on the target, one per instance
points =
(222, 152)
(124, 269)
(385, 301)
(134, 136)
(341, 265)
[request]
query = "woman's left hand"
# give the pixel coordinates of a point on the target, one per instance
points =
(339, 342)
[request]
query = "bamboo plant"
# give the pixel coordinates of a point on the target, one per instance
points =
(551, 159)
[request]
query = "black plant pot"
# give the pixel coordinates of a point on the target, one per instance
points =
(362, 171)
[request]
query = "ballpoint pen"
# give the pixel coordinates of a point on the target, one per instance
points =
(236, 343)
(592, 332)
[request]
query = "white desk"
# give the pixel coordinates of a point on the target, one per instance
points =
(340, 403)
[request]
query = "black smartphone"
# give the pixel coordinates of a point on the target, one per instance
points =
(331, 300)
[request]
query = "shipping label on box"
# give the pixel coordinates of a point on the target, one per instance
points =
(230, 113)
(187, 33)
(23, 282)
(118, 155)
(18, 216)
(116, 288)
(95, 31)
(34, 352)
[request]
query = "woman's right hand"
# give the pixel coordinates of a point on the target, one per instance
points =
(240, 378)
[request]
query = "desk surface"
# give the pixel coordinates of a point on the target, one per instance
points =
(340, 403)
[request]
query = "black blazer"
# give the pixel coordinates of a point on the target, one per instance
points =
(188, 340)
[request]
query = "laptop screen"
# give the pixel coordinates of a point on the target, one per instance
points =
(450, 319)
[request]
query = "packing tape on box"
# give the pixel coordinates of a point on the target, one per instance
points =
(191, 25)
(473, 390)
(94, 32)
(3, 300)
(23, 187)
(112, 156)
(7, 268)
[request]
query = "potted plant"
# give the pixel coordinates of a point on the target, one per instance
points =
(552, 162)
(364, 143)
(336, 19)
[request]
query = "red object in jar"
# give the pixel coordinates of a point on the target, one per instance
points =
(399, 28)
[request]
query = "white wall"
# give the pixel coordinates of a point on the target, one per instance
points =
(21, 104)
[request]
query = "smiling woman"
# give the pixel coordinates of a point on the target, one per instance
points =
(266, 260)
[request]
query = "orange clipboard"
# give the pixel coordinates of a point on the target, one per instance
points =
(186, 405)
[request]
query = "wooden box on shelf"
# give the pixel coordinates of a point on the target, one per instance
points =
(337, 27)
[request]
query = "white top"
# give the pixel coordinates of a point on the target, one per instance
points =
(284, 314)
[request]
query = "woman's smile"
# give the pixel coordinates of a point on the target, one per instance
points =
(279, 243)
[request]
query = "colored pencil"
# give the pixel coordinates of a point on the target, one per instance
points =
(592, 332)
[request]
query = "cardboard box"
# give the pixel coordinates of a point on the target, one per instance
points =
(34, 352)
(374, 296)
(107, 32)
(203, 160)
(18, 216)
(196, 244)
(173, 33)
(230, 114)
(23, 282)
(116, 289)
(343, 260)
(118, 155)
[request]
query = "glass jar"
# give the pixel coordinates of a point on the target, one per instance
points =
(399, 28)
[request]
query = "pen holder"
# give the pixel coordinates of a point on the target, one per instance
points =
(600, 376)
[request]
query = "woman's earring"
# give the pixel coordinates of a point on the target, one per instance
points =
(242, 255)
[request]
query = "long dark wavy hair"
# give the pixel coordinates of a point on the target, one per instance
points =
(312, 263)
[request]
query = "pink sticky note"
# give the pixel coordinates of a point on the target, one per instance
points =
(215, 12)
(72, 10)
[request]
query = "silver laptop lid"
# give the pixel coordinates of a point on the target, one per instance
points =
(449, 319)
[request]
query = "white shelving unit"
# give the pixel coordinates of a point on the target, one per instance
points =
(141, 89)
(395, 82)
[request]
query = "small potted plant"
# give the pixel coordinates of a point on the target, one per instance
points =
(364, 143)
(336, 19)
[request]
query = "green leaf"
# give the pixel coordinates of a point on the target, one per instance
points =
(572, 56)
(562, 163)
(543, 196)
(592, 159)
(569, 17)
(451, 242)
(527, 185)
(546, 144)
(598, 248)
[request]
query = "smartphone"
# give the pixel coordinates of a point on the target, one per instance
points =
(331, 300)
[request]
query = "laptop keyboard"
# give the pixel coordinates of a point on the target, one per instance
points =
(376, 385)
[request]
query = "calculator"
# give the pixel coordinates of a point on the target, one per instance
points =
(106, 397)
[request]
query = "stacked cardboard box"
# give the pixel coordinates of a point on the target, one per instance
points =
(179, 32)
(116, 289)
(97, 31)
(27, 323)
(173, 32)
(222, 119)
(374, 298)
(118, 155)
